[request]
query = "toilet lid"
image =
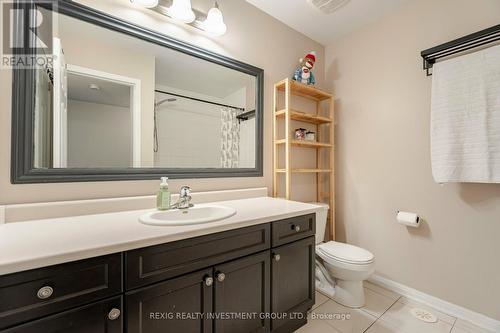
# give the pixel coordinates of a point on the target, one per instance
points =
(346, 253)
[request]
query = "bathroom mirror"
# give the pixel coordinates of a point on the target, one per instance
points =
(116, 101)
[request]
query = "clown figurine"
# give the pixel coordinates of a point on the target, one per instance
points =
(304, 74)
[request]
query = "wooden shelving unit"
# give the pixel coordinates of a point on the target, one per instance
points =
(304, 170)
(303, 90)
(302, 116)
(304, 143)
(324, 125)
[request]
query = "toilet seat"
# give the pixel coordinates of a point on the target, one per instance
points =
(344, 253)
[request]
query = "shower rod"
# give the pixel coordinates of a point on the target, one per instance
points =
(200, 100)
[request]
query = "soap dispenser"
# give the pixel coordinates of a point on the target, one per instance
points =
(163, 196)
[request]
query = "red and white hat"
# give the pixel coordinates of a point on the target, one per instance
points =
(311, 55)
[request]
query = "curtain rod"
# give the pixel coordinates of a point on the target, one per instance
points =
(200, 100)
(246, 115)
(477, 39)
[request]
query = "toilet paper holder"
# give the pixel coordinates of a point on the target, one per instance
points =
(407, 218)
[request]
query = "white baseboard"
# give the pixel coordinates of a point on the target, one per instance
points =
(438, 304)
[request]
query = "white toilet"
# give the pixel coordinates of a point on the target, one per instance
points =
(341, 268)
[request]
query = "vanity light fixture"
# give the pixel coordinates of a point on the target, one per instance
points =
(182, 11)
(145, 3)
(214, 23)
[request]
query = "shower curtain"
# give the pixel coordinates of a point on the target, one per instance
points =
(230, 138)
(42, 125)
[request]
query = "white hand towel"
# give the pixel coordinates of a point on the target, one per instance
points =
(465, 124)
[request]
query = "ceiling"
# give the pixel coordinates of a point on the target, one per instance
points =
(323, 28)
(109, 93)
(185, 72)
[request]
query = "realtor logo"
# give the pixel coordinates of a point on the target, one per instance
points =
(27, 33)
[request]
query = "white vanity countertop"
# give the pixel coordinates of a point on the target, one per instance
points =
(39, 243)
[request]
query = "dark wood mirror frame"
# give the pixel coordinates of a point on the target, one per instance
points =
(23, 95)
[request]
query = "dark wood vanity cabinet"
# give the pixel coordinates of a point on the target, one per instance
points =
(206, 301)
(293, 283)
(252, 279)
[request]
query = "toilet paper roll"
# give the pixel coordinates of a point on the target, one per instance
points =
(409, 219)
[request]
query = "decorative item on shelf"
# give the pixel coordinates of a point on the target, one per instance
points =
(304, 73)
(300, 133)
(310, 136)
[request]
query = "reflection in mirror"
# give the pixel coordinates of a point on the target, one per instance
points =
(100, 115)
(116, 101)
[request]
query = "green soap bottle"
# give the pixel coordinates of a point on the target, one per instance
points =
(163, 196)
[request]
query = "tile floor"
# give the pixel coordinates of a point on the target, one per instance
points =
(385, 312)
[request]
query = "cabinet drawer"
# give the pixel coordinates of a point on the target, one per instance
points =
(161, 262)
(292, 229)
(96, 318)
(36, 293)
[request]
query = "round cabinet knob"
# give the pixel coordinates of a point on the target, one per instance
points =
(297, 228)
(114, 314)
(45, 292)
(277, 257)
(221, 277)
(209, 281)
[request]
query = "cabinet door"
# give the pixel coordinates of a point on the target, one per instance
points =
(242, 295)
(177, 305)
(292, 283)
(100, 317)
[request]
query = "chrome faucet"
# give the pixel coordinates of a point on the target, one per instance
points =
(184, 200)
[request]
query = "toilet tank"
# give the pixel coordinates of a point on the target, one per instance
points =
(321, 217)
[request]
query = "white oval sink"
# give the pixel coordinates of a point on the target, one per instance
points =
(195, 215)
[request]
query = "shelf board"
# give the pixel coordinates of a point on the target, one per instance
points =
(302, 116)
(305, 170)
(303, 90)
(304, 143)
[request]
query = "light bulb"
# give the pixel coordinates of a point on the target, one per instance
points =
(214, 24)
(181, 10)
(146, 3)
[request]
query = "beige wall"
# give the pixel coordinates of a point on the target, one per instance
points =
(254, 37)
(383, 161)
